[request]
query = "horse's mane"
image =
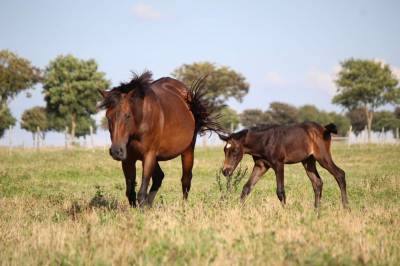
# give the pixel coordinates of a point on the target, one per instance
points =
(139, 83)
(263, 127)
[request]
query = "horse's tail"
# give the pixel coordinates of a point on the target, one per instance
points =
(205, 113)
(328, 129)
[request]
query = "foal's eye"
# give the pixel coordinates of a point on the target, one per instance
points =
(127, 116)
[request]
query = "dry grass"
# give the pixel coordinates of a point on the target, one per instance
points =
(60, 207)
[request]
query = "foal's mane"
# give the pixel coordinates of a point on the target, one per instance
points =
(139, 83)
(259, 128)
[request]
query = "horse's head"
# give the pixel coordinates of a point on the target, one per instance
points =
(123, 111)
(121, 122)
(233, 151)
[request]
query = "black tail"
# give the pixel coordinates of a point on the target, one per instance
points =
(330, 128)
(205, 113)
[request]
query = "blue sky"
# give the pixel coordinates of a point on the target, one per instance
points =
(288, 50)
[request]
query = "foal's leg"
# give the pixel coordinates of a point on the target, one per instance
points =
(311, 169)
(187, 166)
(157, 177)
(280, 185)
(259, 170)
(327, 163)
(129, 169)
(149, 162)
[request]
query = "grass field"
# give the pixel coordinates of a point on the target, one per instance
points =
(69, 207)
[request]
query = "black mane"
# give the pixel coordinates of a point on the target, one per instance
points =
(140, 83)
(263, 127)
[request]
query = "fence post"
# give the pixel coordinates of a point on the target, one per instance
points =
(66, 138)
(37, 138)
(349, 135)
(9, 140)
(91, 138)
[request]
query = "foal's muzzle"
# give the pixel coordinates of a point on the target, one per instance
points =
(118, 152)
(227, 171)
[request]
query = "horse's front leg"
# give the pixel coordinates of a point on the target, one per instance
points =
(129, 168)
(149, 162)
(259, 170)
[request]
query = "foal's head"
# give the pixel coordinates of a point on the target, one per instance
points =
(123, 111)
(233, 151)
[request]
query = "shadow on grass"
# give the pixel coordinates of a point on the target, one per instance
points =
(100, 201)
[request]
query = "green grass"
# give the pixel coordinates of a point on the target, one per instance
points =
(69, 207)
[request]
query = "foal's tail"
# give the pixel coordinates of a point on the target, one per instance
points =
(330, 128)
(205, 113)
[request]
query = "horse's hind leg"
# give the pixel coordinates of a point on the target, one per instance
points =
(311, 170)
(158, 176)
(326, 162)
(187, 166)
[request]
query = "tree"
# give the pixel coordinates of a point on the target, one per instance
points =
(385, 120)
(16, 74)
(312, 113)
(366, 84)
(358, 119)
(229, 119)
(283, 113)
(222, 82)
(70, 88)
(254, 117)
(33, 119)
(397, 112)
(6, 119)
(342, 122)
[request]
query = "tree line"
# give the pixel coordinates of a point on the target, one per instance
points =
(70, 92)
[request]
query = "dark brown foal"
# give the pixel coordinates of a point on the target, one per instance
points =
(274, 146)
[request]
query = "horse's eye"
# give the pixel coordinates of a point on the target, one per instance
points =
(127, 116)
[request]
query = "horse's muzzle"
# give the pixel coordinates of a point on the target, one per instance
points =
(118, 152)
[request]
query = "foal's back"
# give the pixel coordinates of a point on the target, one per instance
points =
(292, 143)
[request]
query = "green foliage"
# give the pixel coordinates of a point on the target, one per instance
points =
(312, 113)
(254, 117)
(33, 118)
(365, 83)
(358, 119)
(229, 185)
(6, 119)
(70, 87)
(283, 113)
(16, 74)
(229, 119)
(386, 120)
(222, 82)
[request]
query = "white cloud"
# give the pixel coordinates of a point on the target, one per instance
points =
(322, 80)
(145, 12)
(274, 78)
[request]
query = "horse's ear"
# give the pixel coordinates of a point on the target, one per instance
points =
(103, 93)
(223, 137)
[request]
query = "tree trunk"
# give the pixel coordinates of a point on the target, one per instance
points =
(369, 115)
(73, 127)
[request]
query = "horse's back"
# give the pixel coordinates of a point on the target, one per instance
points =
(178, 120)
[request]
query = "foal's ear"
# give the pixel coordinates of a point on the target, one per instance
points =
(223, 137)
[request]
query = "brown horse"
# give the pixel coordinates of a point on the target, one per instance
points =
(273, 146)
(155, 121)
